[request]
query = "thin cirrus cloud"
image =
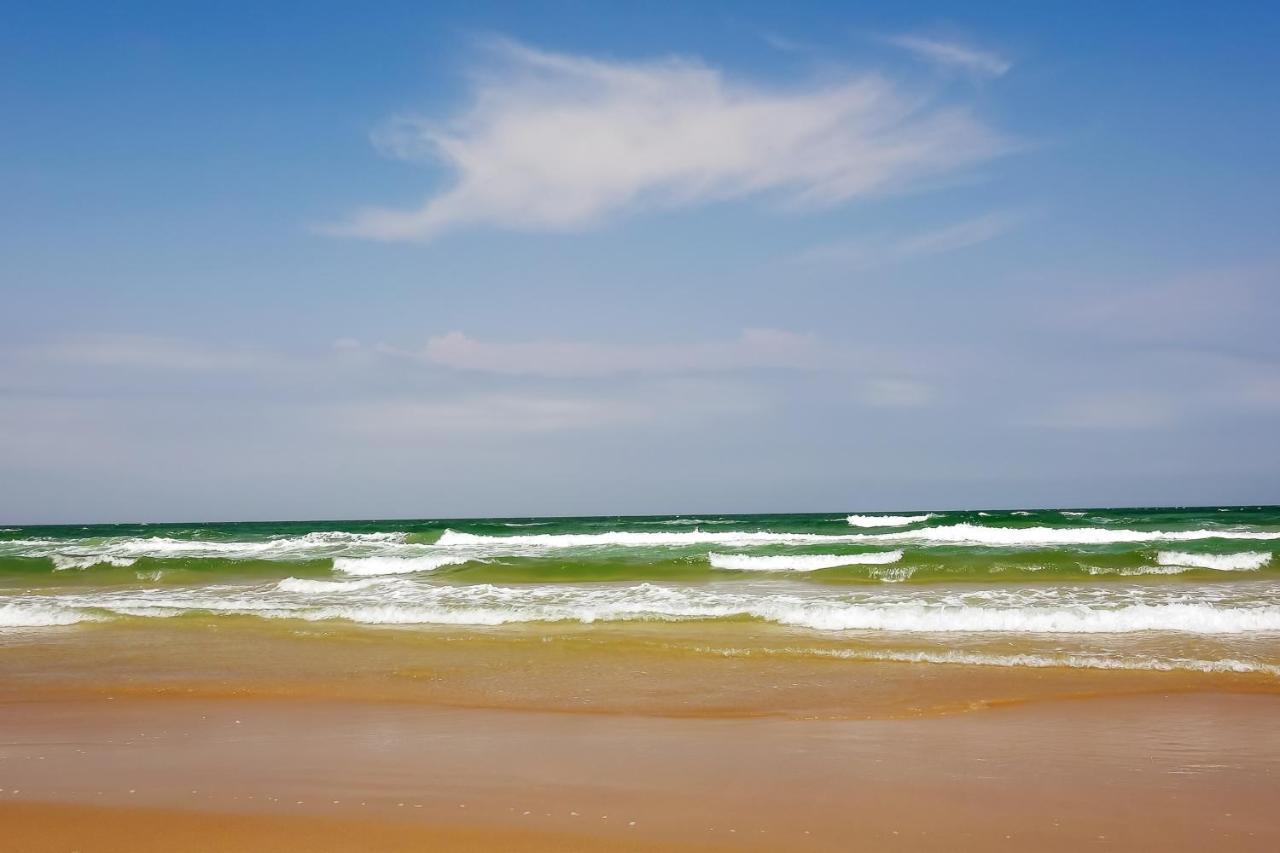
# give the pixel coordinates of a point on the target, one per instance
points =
(753, 348)
(952, 55)
(147, 352)
(556, 141)
(868, 253)
(663, 404)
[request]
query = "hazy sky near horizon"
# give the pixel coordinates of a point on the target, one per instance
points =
(434, 260)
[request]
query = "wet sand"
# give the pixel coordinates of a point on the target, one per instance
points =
(1178, 774)
(158, 740)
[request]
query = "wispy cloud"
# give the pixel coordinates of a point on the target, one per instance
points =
(1109, 410)
(754, 348)
(953, 54)
(866, 253)
(555, 141)
(147, 352)
(668, 404)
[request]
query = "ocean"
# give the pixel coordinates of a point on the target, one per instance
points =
(1193, 589)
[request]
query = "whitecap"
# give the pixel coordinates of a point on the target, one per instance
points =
(1247, 561)
(887, 520)
(394, 565)
(799, 562)
(62, 562)
(308, 585)
(37, 616)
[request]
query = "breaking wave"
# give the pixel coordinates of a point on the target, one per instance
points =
(38, 616)
(887, 520)
(799, 562)
(61, 562)
(394, 565)
(1036, 661)
(953, 534)
(1248, 561)
(403, 601)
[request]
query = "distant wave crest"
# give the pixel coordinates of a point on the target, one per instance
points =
(887, 520)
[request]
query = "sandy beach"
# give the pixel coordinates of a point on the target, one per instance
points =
(138, 742)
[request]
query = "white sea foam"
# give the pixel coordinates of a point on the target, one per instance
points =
(308, 585)
(37, 616)
(1037, 661)
(676, 522)
(953, 534)
(894, 574)
(976, 534)
(799, 562)
(1137, 571)
(394, 565)
(399, 600)
(1247, 561)
(454, 538)
(315, 545)
(62, 562)
(887, 520)
(1069, 514)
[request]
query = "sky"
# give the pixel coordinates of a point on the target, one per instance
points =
(321, 260)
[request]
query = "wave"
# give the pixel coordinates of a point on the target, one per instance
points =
(1071, 514)
(62, 562)
(402, 601)
(393, 565)
(38, 616)
(1037, 661)
(1247, 561)
(799, 562)
(675, 522)
(887, 520)
(976, 534)
(954, 534)
(315, 545)
(307, 585)
(454, 538)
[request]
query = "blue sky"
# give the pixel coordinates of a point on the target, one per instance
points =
(314, 260)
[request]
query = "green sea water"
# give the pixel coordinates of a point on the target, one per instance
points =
(1160, 587)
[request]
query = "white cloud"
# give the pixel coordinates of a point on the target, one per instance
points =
(554, 141)
(754, 348)
(867, 253)
(953, 55)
